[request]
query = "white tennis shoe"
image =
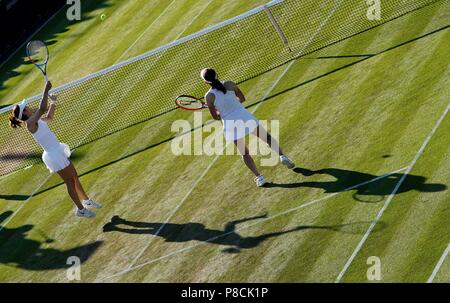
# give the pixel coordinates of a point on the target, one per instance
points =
(287, 162)
(84, 213)
(260, 181)
(91, 204)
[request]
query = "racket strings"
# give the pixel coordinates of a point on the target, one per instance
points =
(37, 52)
(187, 102)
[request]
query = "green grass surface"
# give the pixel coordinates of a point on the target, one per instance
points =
(351, 112)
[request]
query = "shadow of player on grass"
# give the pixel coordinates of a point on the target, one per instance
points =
(346, 179)
(17, 250)
(172, 232)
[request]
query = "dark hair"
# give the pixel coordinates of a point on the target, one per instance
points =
(211, 75)
(14, 122)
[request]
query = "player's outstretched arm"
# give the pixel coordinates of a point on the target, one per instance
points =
(51, 110)
(32, 121)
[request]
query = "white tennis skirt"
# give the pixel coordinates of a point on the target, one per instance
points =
(57, 159)
(239, 124)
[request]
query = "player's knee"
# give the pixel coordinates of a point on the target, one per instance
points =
(246, 156)
(70, 183)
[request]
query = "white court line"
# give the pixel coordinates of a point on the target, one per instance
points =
(439, 265)
(320, 28)
(217, 156)
(48, 177)
(23, 204)
(193, 19)
(256, 223)
(15, 172)
(394, 192)
(143, 33)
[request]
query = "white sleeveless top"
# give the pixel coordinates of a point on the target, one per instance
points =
(232, 113)
(226, 103)
(45, 137)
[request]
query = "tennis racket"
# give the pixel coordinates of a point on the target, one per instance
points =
(190, 103)
(38, 54)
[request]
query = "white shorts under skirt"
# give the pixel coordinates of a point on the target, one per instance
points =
(57, 159)
(238, 125)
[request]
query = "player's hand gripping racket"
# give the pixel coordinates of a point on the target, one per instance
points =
(190, 103)
(38, 54)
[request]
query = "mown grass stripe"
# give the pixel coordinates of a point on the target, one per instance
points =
(411, 120)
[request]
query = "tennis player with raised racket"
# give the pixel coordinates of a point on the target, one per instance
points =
(56, 155)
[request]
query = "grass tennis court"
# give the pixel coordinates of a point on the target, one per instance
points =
(353, 115)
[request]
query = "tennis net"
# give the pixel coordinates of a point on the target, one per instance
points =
(145, 87)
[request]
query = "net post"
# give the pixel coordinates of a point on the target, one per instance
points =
(277, 27)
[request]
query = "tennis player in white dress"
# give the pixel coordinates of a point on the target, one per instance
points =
(225, 103)
(56, 155)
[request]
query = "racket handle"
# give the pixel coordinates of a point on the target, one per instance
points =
(45, 77)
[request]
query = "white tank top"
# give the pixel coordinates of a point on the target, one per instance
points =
(226, 103)
(45, 137)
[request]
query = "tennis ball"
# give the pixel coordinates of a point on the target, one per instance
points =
(102, 17)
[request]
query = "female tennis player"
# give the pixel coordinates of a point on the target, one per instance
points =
(224, 100)
(56, 155)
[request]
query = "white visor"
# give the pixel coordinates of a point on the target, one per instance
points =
(21, 107)
(203, 73)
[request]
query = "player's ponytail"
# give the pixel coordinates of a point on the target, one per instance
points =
(210, 76)
(219, 86)
(14, 122)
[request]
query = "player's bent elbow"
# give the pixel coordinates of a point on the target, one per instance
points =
(47, 119)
